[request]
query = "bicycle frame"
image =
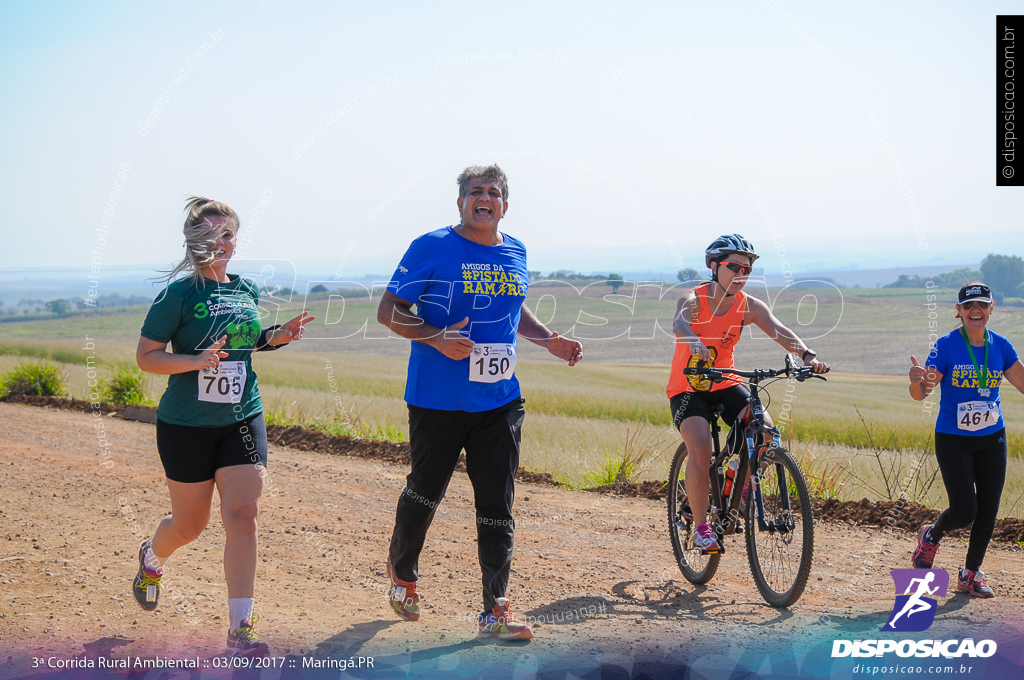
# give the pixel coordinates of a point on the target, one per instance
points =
(753, 425)
(777, 521)
(756, 423)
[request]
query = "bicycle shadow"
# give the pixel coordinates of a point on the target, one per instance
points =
(568, 610)
(673, 599)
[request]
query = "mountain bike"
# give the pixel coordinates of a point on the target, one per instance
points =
(775, 508)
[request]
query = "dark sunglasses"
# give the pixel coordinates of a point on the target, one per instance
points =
(969, 305)
(738, 267)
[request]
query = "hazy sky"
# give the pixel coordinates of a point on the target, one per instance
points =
(632, 133)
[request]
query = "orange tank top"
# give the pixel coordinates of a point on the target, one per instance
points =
(718, 333)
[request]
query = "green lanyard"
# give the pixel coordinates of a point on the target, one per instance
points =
(982, 371)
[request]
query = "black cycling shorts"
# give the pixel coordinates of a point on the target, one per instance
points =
(688, 404)
(193, 454)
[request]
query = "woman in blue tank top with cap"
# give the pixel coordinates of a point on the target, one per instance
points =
(970, 437)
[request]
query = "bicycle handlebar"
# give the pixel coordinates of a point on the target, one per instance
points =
(800, 373)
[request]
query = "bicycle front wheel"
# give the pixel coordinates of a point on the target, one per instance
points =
(780, 545)
(698, 567)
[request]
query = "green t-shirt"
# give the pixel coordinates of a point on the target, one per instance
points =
(191, 318)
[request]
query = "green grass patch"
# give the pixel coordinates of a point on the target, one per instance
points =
(612, 470)
(382, 431)
(34, 378)
(640, 451)
(126, 386)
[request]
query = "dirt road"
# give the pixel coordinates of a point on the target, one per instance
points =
(595, 572)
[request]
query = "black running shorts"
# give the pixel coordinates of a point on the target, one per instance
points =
(194, 454)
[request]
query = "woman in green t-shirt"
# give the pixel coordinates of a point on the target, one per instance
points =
(210, 430)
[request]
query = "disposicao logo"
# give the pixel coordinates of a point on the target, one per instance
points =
(913, 612)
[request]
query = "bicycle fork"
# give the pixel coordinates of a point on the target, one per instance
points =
(755, 478)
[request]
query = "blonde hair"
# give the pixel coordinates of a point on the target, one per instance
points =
(200, 236)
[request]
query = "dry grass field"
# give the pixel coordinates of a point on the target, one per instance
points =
(612, 404)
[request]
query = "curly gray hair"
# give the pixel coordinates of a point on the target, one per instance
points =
(491, 172)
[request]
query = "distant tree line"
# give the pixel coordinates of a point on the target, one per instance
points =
(62, 307)
(953, 279)
(115, 300)
(578, 279)
(566, 275)
(1004, 274)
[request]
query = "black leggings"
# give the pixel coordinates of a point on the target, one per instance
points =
(973, 471)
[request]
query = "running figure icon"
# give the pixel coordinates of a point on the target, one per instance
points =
(915, 603)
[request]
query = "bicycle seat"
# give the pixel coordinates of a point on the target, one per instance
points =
(718, 409)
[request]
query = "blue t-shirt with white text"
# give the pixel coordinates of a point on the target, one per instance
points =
(448, 278)
(959, 384)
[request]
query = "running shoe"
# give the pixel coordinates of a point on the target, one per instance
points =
(501, 623)
(245, 642)
(924, 556)
(403, 597)
(704, 539)
(973, 582)
(146, 586)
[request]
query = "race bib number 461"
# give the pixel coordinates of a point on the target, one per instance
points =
(976, 415)
(223, 384)
(491, 362)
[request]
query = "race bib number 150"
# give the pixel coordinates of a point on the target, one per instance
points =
(491, 362)
(976, 415)
(223, 384)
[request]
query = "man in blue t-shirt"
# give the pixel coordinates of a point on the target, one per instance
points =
(468, 283)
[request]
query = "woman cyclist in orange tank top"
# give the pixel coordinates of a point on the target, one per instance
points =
(708, 323)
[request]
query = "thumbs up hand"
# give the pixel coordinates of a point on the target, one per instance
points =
(917, 371)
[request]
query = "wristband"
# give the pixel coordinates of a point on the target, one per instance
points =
(263, 344)
(803, 357)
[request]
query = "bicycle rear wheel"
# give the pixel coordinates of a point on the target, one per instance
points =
(697, 567)
(781, 548)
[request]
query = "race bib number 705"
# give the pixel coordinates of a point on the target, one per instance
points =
(491, 362)
(976, 415)
(223, 384)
